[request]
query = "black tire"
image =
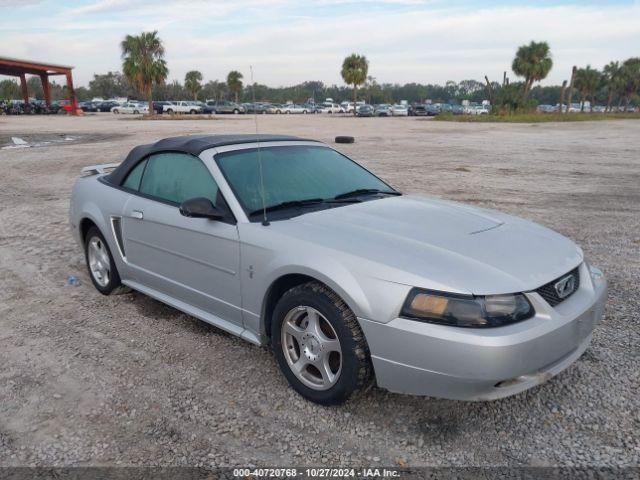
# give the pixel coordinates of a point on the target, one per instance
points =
(136, 112)
(192, 112)
(114, 278)
(356, 370)
(345, 139)
(169, 111)
(236, 111)
(116, 111)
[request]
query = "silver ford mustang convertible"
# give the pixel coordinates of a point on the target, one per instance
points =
(285, 241)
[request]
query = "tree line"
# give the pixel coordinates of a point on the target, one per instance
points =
(144, 73)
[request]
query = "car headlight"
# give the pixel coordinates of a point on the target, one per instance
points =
(469, 311)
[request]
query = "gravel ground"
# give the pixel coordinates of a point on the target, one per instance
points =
(124, 380)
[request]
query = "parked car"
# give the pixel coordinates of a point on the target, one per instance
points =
(183, 106)
(331, 108)
(364, 111)
(457, 109)
(260, 108)
(225, 106)
(88, 106)
(479, 110)
(294, 108)
(347, 107)
(421, 110)
(107, 105)
(444, 107)
(131, 107)
(158, 106)
(274, 108)
(544, 108)
(344, 276)
(399, 111)
(382, 110)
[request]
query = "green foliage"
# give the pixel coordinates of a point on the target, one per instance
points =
(9, 89)
(354, 69)
(587, 81)
(110, 85)
(631, 76)
(613, 79)
(143, 62)
(234, 83)
(510, 100)
(192, 83)
(533, 62)
(354, 72)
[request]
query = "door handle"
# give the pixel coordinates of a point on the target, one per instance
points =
(137, 214)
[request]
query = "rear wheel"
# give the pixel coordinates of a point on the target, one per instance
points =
(236, 111)
(136, 112)
(102, 269)
(318, 344)
(192, 112)
(116, 111)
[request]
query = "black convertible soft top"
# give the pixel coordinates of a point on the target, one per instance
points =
(193, 144)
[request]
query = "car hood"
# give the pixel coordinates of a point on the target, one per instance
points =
(438, 244)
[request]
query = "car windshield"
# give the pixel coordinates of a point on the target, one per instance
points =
(294, 174)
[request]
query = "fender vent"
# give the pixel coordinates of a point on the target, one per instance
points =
(116, 226)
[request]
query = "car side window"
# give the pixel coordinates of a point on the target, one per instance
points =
(176, 177)
(132, 181)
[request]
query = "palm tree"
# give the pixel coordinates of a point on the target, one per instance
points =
(234, 83)
(533, 62)
(354, 72)
(613, 78)
(587, 82)
(143, 63)
(631, 76)
(563, 90)
(570, 92)
(192, 83)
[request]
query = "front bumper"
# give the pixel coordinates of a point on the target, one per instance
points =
(485, 364)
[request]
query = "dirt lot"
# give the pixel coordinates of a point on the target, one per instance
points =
(88, 379)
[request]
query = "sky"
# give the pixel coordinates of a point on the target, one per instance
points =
(287, 41)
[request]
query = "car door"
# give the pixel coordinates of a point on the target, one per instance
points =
(192, 260)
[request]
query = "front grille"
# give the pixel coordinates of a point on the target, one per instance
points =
(550, 294)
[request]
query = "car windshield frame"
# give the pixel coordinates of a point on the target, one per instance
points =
(302, 208)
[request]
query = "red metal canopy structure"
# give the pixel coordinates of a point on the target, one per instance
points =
(21, 68)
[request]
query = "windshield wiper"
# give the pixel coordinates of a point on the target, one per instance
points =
(365, 191)
(289, 204)
(303, 203)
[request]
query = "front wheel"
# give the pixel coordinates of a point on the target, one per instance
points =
(192, 112)
(102, 268)
(116, 111)
(318, 344)
(236, 111)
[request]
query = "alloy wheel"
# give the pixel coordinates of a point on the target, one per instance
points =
(311, 347)
(99, 262)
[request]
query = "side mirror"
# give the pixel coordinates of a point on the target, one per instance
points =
(200, 208)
